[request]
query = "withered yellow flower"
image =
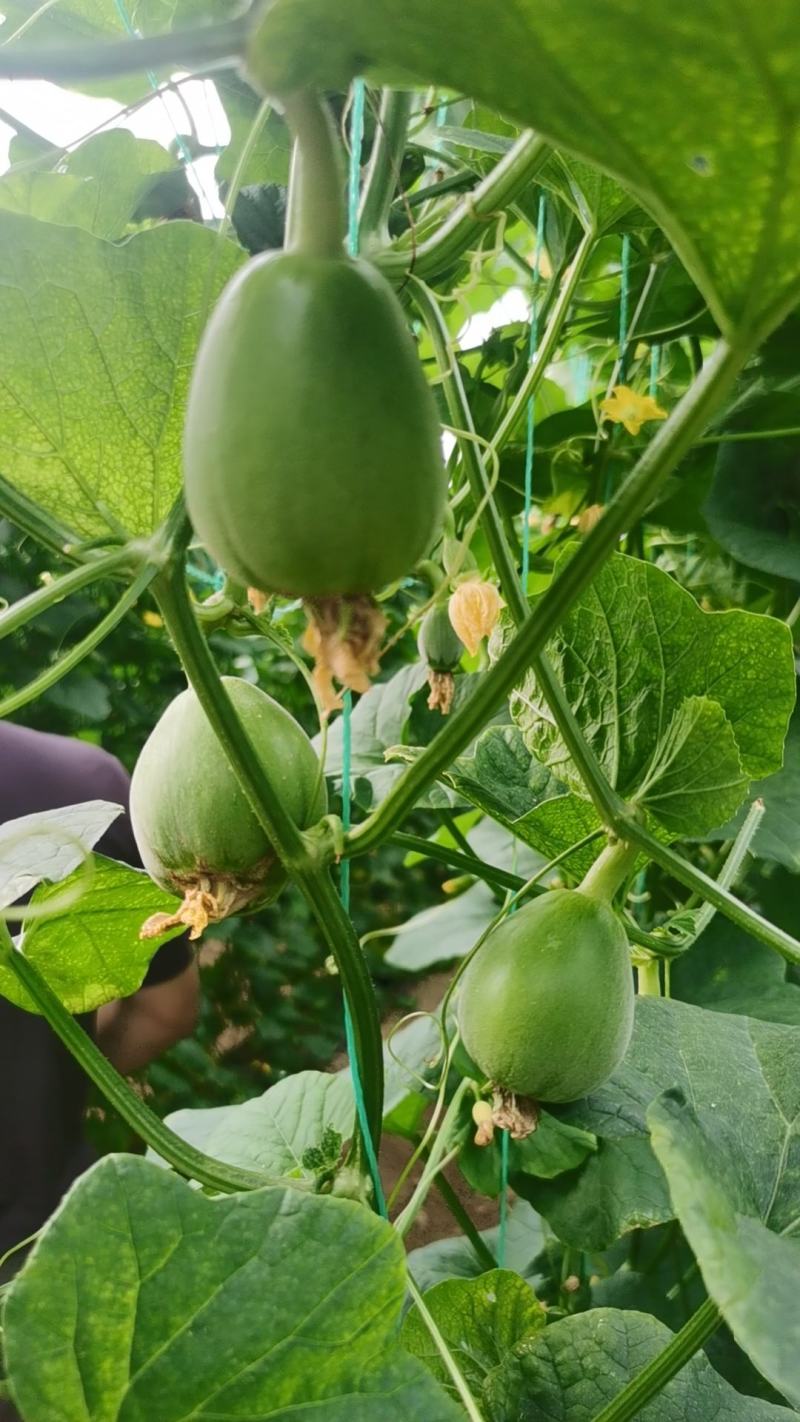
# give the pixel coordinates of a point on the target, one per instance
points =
(624, 407)
(474, 608)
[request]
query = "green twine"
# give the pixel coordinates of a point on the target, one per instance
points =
(531, 411)
(624, 298)
(502, 1229)
(353, 193)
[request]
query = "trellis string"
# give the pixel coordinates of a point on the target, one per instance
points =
(353, 194)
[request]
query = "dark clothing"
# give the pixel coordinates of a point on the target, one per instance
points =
(44, 1090)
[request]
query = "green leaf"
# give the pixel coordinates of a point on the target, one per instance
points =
(778, 835)
(500, 776)
(480, 1321)
(728, 971)
(444, 932)
(613, 85)
(737, 1068)
(37, 847)
(599, 203)
(262, 1304)
(630, 653)
(99, 342)
(91, 952)
(271, 1133)
(99, 186)
(572, 1370)
(696, 769)
(553, 1148)
(740, 1220)
(269, 159)
(753, 509)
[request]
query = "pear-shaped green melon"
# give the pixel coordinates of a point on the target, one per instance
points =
(312, 454)
(546, 1005)
(193, 825)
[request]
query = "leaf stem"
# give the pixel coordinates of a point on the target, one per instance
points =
(76, 654)
(459, 1383)
(27, 515)
(23, 611)
(482, 1251)
(468, 863)
(499, 189)
(294, 849)
(184, 1158)
(668, 446)
(653, 1379)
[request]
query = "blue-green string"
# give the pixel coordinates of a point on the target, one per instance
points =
(502, 1229)
(531, 411)
(353, 194)
(186, 156)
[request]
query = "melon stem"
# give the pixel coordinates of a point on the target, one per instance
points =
(609, 871)
(317, 221)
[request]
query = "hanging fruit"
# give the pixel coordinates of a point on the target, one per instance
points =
(312, 453)
(194, 828)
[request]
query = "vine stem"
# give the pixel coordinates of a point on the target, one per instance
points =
(316, 223)
(709, 889)
(459, 1383)
(499, 190)
(674, 438)
(383, 172)
(294, 849)
(184, 1158)
(546, 347)
(23, 611)
(34, 521)
(219, 46)
(654, 1378)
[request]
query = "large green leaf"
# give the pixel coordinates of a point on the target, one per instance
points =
(480, 1320)
(143, 1299)
(736, 1068)
(572, 1370)
(271, 1133)
(90, 952)
(681, 707)
(743, 1225)
(691, 106)
(455, 1258)
(98, 345)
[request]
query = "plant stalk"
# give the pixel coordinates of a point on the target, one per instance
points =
(468, 1401)
(184, 1158)
(653, 1379)
(710, 890)
(498, 191)
(291, 846)
(609, 871)
(674, 438)
(383, 173)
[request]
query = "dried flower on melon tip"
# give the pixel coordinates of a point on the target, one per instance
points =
(344, 636)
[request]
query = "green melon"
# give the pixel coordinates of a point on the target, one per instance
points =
(546, 1005)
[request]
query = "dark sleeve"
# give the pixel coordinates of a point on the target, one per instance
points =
(112, 782)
